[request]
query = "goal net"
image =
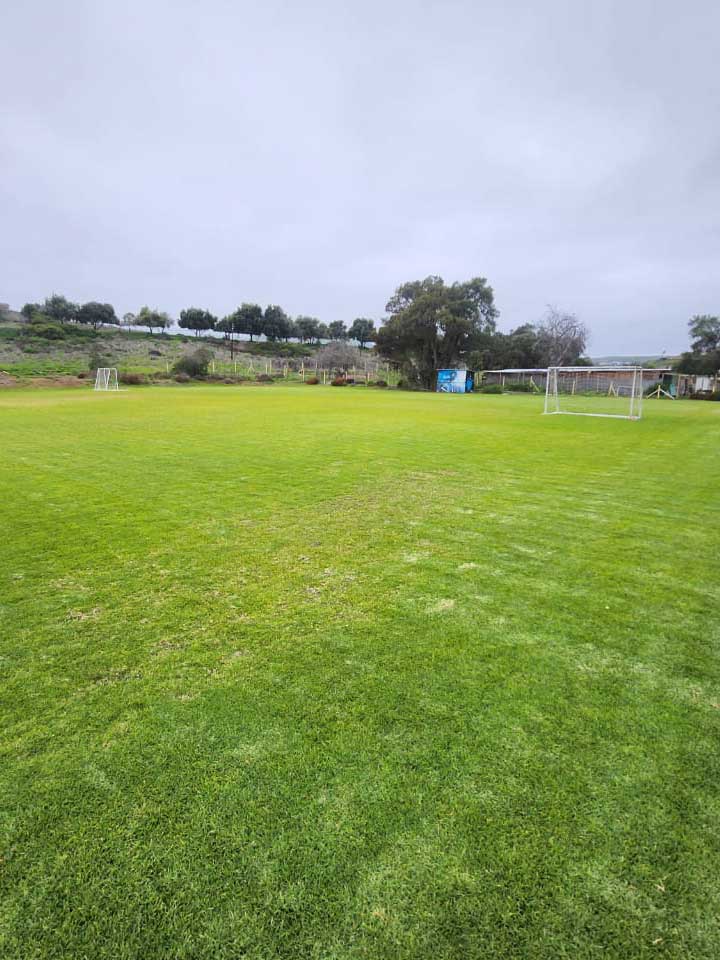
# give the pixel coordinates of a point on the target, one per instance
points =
(106, 378)
(595, 391)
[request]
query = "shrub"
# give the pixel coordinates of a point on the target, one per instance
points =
(312, 380)
(46, 331)
(182, 378)
(520, 388)
(193, 364)
(491, 388)
(338, 382)
(264, 378)
(132, 379)
(381, 383)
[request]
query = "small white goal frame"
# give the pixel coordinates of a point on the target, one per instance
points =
(106, 378)
(617, 382)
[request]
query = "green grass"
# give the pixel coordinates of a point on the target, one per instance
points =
(295, 672)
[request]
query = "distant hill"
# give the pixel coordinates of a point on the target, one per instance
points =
(645, 360)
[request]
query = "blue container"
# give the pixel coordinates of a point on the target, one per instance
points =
(455, 381)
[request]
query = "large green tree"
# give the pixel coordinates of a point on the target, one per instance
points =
(362, 330)
(152, 319)
(276, 323)
(337, 330)
(194, 318)
(433, 324)
(308, 328)
(59, 308)
(250, 320)
(96, 314)
(704, 354)
(30, 309)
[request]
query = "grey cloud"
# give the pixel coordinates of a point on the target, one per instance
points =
(316, 155)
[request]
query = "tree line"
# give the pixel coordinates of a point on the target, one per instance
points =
(430, 325)
(434, 325)
(249, 319)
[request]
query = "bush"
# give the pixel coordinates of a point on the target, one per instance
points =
(132, 379)
(46, 331)
(338, 382)
(520, 388)
(491, 388)
(183, 378)
(264, 378)
(193, 364)
(380, 383)
(312, 380)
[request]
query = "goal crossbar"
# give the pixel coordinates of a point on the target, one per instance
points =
(614, 392)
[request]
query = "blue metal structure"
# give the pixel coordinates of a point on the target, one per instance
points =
(455, 381)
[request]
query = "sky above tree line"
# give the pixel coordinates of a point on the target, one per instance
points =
(317, 155)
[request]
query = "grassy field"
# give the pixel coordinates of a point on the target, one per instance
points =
(295, 672)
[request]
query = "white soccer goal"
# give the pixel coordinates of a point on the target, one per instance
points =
(106, 378)
(595, 391)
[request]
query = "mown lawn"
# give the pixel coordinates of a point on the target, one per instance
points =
(295, 672)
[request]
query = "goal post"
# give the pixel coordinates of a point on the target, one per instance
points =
(106, 378)
(595, 391)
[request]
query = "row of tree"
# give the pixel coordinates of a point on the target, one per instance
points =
(274, 324)
(58, 309)
(432, 325)
(250, 319)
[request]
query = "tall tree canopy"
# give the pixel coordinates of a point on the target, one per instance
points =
(433, 324)
(196, 319)
(152, 319)
(362, 330)
(249, 319)
(307, 328)
(337, 330)
(276, 323)
(96, 314)
(59, 308)
(704, 354)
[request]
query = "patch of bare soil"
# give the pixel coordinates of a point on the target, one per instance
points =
(61, 380)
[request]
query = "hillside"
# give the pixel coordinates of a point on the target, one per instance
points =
(41, 349)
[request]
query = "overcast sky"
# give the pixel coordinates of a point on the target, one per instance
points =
(318, 154)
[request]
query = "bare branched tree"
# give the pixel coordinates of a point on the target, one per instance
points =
(339, 356)
(562, 338)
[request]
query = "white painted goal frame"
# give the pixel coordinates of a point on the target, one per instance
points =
(106, 378)
(585, 387)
